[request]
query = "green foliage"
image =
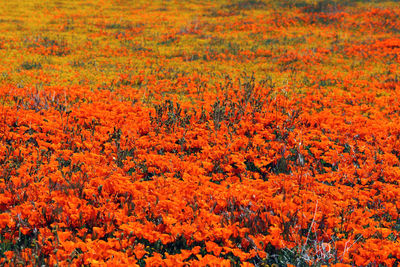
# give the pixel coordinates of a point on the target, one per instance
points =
(29, 65)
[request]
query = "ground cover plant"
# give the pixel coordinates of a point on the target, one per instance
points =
(220, 133)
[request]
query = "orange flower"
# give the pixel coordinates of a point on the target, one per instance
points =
(139, 251)
(9, 254)
(213, 248)
(25, 230)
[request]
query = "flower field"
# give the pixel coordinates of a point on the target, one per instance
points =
(195, 133)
